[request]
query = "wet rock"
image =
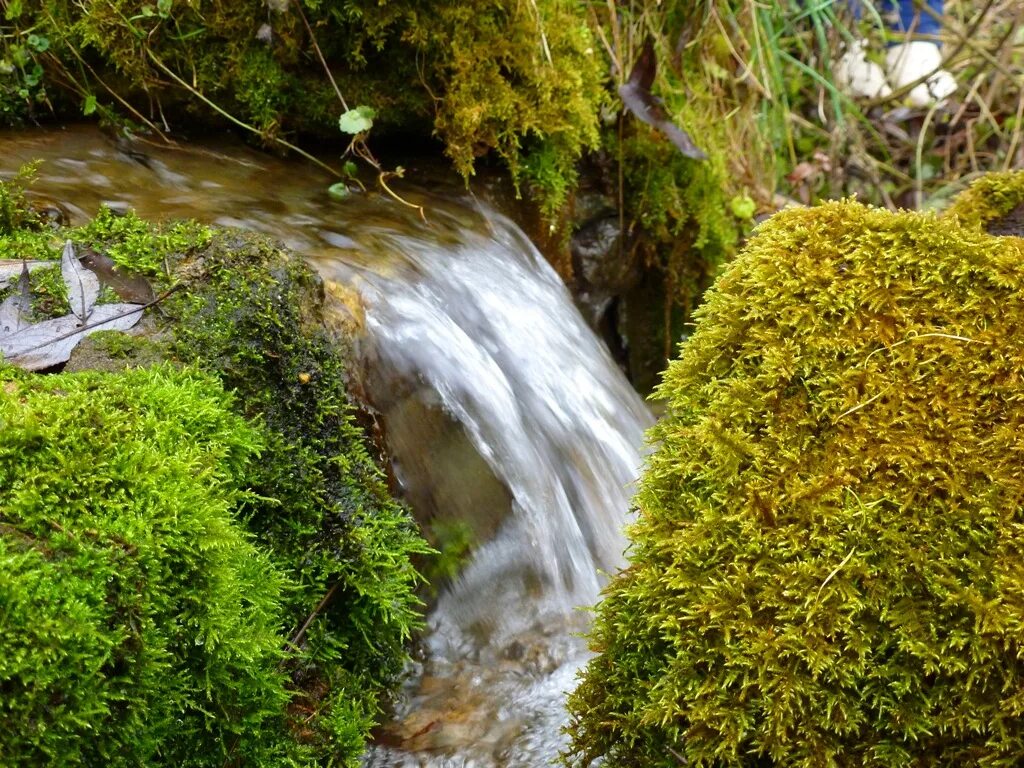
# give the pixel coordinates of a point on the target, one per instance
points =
(602, 267)
(1010, 225)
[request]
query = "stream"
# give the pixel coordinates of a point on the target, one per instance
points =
(511, 429)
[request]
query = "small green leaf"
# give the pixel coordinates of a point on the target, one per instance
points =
(90, 105)
(38, 42)
(358, 120)
(350, 168)
(163, 7)
(743, 207)
(339, 190)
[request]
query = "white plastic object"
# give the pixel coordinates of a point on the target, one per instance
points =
(857, 75)
(909, 62)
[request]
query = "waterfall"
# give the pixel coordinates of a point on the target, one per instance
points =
(464, 316)
(504, 416)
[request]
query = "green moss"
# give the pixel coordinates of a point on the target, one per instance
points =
(252, 313)
(988, 199)
(141, 625)
(317, 506)
(826, 567)
(484, 76)
(15, 212)
(137, 246)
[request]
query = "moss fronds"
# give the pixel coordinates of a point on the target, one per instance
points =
(321, 530)
(826, 569)
(988, 200)
(321, 507)
(137, 246)
(141, 624)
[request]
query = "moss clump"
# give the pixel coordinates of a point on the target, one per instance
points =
(992, 203)
(826, 568)
(252, 313)
(137, 246)
(504, 77)
(141, 625)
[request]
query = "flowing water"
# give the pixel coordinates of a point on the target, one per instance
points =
(511, 430)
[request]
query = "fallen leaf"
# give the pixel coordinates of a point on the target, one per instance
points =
(10, 269)
(128, 286)
(51, 342)
(637, 97)
(15, 308)
(83, 285)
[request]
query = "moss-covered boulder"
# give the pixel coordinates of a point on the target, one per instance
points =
(141, 625)
(994, 203)
(243, 314)
(827, 566)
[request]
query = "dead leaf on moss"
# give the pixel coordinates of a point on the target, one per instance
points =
(51, 342)
(15, 308)
(11, 269)
(637, 97)
(83, 286)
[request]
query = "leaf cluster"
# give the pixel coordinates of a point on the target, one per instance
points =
(826, 568)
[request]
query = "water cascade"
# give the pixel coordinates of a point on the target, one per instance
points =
(507, 421)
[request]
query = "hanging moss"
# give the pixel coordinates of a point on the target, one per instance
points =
(508, 77)
(141, 626)
(826, 568)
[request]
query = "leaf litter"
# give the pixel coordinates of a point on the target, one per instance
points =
(35, 346)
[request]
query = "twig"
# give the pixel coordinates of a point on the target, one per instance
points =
(835, 571)
(399, 198)
(320, 55)
(199, 95)
(90, 326)
(297, 637)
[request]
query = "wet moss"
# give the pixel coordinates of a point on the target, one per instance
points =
(485, 77)
(252, 313)
(141, 623)
(137, 246)
(825, 569)
(248, 315)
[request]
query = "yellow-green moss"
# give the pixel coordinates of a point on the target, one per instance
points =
(826, 568)
(141, 625)
(988, 199)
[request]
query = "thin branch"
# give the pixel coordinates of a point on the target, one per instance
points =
(90, 326)
(320, 55)
(297, 637)
(199, 95)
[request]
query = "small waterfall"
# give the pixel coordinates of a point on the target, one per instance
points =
(471, 318)
(503, 412)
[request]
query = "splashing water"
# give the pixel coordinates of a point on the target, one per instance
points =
(486, 325)
(501, 409)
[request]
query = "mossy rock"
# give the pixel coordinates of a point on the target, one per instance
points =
(141, 625)
(826, 569)
(994, 203)
(243, 314)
